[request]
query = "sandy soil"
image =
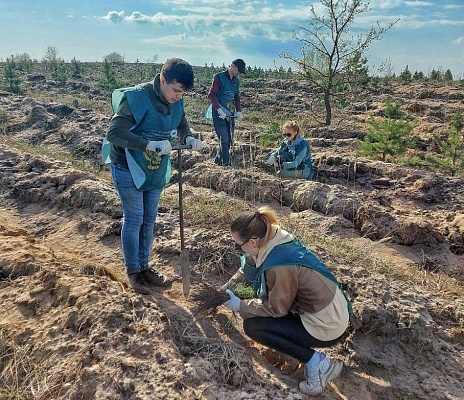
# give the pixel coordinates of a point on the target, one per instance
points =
(70, 328)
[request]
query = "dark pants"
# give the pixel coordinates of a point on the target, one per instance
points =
(286, 335)
(224, 130)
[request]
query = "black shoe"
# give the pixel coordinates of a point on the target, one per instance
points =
(154, 278)
(139, 284)
(218, 161)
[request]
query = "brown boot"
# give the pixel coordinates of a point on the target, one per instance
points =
(155, 279)
(138, 283)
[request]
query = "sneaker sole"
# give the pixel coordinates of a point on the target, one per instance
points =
(333, 372)
(304, 389)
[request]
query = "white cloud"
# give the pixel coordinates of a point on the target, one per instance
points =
(137, 17)
(414, 21)
(453, 6)
(252, 21)
(115, 16)
(387, 3)
(418, 3)
(179, 40)
(249, 14)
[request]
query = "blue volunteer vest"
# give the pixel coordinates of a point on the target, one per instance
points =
(291, 253)
(290, 151)
(226, 95)
(148, 169)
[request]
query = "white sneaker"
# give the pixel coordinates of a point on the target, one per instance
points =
(317, 377)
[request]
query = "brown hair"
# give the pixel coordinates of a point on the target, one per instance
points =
(256, 224)
(294, 126)
(178, 70)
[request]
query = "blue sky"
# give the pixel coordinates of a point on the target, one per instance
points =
(430, 34)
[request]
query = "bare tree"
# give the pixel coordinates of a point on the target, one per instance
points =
(386, 70)
(23, 61)
(114, 57)
(328, 49)
(51, 55)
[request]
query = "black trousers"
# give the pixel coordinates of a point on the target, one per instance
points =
(286, 335)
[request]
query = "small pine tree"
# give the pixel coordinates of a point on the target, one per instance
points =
(418, 76)
(358, 70)
(59, 71)
(272, 136)
(11, 79)
(390, 136)
(448, 75)
(76, 67)
(109, 82)
(405, 75)
(451, 155)
(436, 75)
(392, 110)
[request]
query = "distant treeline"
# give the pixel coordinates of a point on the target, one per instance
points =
(116, 70)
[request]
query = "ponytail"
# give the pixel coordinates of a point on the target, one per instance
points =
(294, 126)
(258, 224)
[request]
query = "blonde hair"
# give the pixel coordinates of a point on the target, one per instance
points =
(294, 126)
(256, 224)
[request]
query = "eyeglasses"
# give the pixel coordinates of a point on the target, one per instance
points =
(238, 246)
(288, 134)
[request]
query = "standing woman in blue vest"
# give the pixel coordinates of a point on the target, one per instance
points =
(299, 305)
(224, 95)
(294, 154)
(148, 117)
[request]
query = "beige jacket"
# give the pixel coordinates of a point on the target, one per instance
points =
(298, 289)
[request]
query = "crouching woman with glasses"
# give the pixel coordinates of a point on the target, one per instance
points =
(299, 305)
(293, 158)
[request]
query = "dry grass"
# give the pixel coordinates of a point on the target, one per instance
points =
(218, 257)
(230, 360)
(83, 101)
(101, 270)
(204, 210)
(22, 377)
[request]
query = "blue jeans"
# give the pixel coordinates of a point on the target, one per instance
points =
(307, 173)
(224, 130)
(139, 211)
(286, 335)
